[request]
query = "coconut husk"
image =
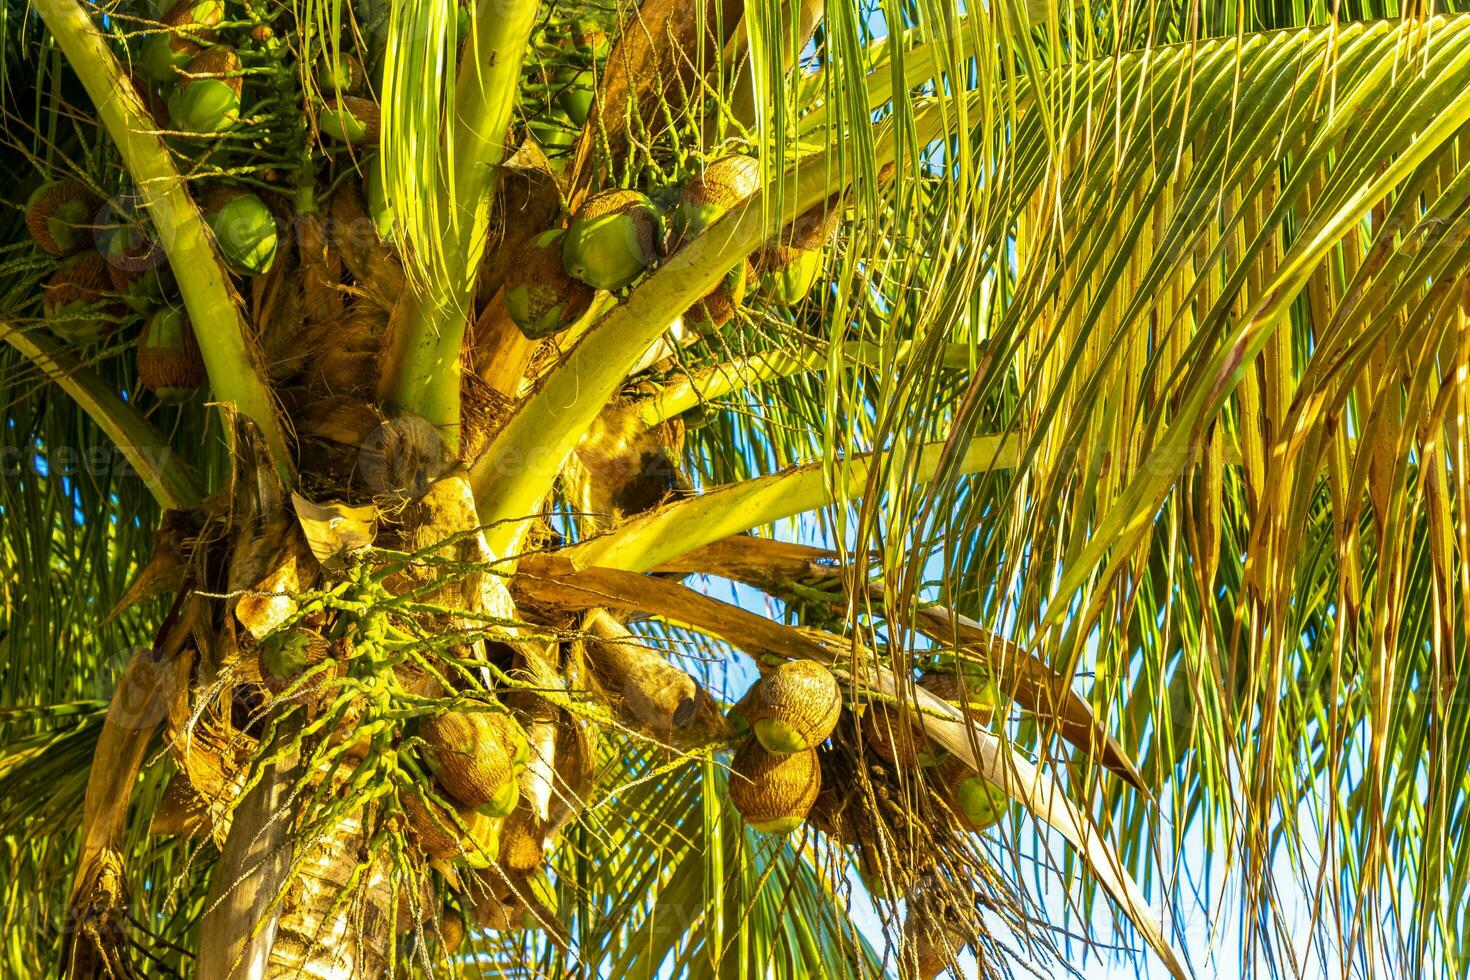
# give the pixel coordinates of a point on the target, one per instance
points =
(813, 228)
(645, 233)
(774, 792)
(433, 830)
(162, 366)
(365, 111)
(972, 693)
(195, 18)
(482, 411)
(547, 292)
(930, 945)
(795, 707)
(621, 469)
(894, 737)
(722, 184)
(469, 762)
(45, 205)
(451, 932)
(219, 64)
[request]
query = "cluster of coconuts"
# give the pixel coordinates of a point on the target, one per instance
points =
(198, 79)
(475, 758)
(109, 266)
(775, 775)
(568, 83)
(617, 235)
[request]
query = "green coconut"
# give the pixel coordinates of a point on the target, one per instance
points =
(349, 119)
(245, 230)
(165, 55)
(795, 707)
(612, 239)
(787, 274)
(709, 195)
(59, 216)
(578, 88)
(341, 75)
(170, 366)
(539, 295)
(378, 207)
(981, 802)
(774, 793)
(207, 99)
(134, 262)
(73, 301)
(191, 24)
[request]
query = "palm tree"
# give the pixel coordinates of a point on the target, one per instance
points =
(1073, 393)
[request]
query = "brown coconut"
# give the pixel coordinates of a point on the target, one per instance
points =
(795, 707)
(774, 793)
(163, 368)
(467, 757)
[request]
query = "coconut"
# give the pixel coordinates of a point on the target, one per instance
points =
(71, 300)
(133, 261)
(244, 229)
(59, 216)
(170, 365)
(207, 99)
(718, 306)
(376, 197)
(708, 196)
(555, 133)
(341, 75)
(787, 274)
(350, 119)
(975, 693)
(895, 739)
(191, 24)
(578, 89)
(451, 932)
(437, 832)
(813, 228)
(541, 298)
(612, 239)
(977, 801)
(929, 947)
(774, 793)
(469, 761)
(795, 707)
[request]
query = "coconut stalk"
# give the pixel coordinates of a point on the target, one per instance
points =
(684, 525)
(421, 371)
(235, 375)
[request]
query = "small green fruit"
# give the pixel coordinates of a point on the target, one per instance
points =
(612, 240)
(245, 230)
